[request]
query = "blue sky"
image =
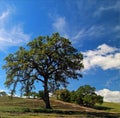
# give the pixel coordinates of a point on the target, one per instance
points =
(93, 27)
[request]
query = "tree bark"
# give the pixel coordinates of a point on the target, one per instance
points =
(46, 96)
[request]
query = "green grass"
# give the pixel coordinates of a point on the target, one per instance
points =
(109, 107)
(34, 108)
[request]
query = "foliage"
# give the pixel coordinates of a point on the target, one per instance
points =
(3, 93)
(34, 94)
(63, 94)
(50, 60)
(41, 94)
(85, 95)
(73, 96)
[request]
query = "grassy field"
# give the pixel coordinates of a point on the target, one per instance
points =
(109, 107)
(34, 108)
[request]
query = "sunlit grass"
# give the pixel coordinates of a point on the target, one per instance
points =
(110, 107)
(34, 108)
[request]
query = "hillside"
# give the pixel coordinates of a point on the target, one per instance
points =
(20, 107)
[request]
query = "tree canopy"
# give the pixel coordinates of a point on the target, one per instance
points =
(48, 59)
(62, 94)
(84, 95)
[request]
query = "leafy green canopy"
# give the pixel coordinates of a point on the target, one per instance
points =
(51, 60)
(85, 95)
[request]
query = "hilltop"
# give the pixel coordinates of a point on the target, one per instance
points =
(23, 107)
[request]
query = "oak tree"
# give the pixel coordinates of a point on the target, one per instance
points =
(85, 95)
(48, 59)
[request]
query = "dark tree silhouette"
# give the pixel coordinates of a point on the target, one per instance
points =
(46, 59)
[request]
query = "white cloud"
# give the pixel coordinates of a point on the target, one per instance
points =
(104, 56)
(80, 34)
(2, 90)
(4, 15)
(109, 96)
(60, 24)
(101, 9)
(14, 36)
(93, 31)
(116, 29)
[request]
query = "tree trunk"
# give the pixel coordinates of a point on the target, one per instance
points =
(46, 96)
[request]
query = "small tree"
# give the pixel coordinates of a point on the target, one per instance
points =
(41, 94)
(3, 93)
(99, 99)
(73, 96)
(56, 94)
(85, 95)
(63, 94)
(34, 94)
(48, 60)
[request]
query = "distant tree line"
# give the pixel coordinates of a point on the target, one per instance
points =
(84, 95)
(34, 94)
(3, 93)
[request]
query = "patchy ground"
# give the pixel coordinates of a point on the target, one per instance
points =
(34, 108)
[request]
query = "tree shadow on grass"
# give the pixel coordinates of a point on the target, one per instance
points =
(102, 108)
(85, 113)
